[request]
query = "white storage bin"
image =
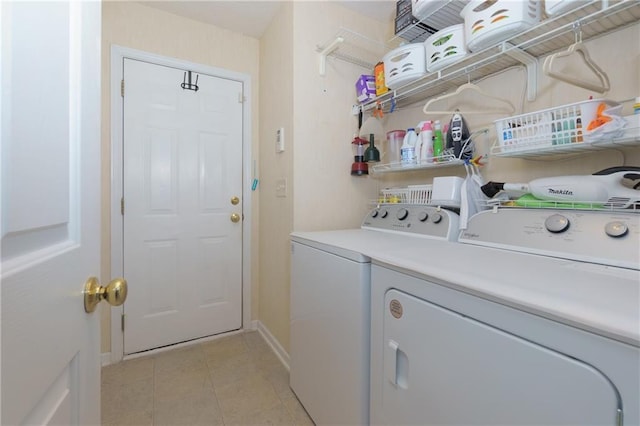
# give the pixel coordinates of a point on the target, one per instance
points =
(561, 125)
(556, 7)
(487, 22)
(445, 47)
(404, 65)
(424, 8)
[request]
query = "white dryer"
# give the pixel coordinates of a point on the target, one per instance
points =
(330, 306)
(490, 334)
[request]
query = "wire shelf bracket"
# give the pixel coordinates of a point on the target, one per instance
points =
(529, 61)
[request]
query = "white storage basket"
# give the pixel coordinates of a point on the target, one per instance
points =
(556, 7)
(554, 126)
(487, 22)
(445, 47)
(404, 65)
(424, 8)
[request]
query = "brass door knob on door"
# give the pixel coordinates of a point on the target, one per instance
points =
(235, 200)
(115, 293)
(235, 217)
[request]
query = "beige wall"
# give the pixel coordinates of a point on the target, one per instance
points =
(316, 114)
(140, 27)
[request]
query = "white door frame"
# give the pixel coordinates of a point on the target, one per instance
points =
(118, 53)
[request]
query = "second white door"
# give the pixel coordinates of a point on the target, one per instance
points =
(182, 169)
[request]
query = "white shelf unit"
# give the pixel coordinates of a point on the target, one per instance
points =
(444, 161)
(537, 150)
(596, 17)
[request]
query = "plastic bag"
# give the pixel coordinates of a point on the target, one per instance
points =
(472, 199)
(613, 128)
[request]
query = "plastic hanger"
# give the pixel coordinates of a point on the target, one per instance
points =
(508, 106)
(580, 49)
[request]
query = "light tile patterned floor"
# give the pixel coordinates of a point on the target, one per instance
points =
(235, 380)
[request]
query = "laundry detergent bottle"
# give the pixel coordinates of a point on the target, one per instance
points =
(438, 142)
(408, 148)
(426, 143)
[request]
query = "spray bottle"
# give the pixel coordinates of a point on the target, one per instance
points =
(418, 144)
(426, 144)
(438, 141)
(408, 148)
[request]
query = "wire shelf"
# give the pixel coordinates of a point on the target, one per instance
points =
(447, 160)
(530, 203)
(596, 17)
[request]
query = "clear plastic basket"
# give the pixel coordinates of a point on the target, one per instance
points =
(413, 194)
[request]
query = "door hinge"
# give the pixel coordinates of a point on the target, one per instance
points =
(122, 206)
(241, 98)
(122, 88)
(122, 322)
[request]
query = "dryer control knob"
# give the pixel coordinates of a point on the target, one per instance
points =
(422, 216)
(436, 218)
(556, 223)
(402, 214)
(374, 213)
(384, 213)
(616, 229)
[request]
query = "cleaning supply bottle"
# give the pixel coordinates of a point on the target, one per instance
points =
(408, 148)
(438, 142)
(426, 143)
(418, 143)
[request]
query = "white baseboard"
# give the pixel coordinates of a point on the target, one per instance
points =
(105, 359)
(274, 344)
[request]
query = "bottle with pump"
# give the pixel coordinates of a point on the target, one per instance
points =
(408, 148)
(426, 143)
(418, 143)
(438, 141)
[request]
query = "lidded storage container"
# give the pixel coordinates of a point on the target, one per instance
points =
(423, 8)
(556, 7)
(445, 47)
(404, 65)
(487, 22)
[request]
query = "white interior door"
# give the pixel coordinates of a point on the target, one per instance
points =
(50, 112)
(182, 167)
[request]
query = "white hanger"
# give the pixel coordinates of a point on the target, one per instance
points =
(579, 48)
(508, 106)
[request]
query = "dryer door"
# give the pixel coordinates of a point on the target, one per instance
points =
(441, 367)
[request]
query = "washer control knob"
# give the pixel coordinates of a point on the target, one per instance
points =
(436, 218)
(616, 229)
(422, 216)
(556, 223)
(384, 213)
(402, 214)
(374, 213)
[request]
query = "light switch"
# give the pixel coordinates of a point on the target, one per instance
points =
(280, 140)
(281, 188)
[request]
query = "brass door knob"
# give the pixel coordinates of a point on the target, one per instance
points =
(235, 217)
(235, 200)
(115, 293)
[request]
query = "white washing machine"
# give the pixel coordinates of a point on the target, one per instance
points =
(490, 334)
(330, 306)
